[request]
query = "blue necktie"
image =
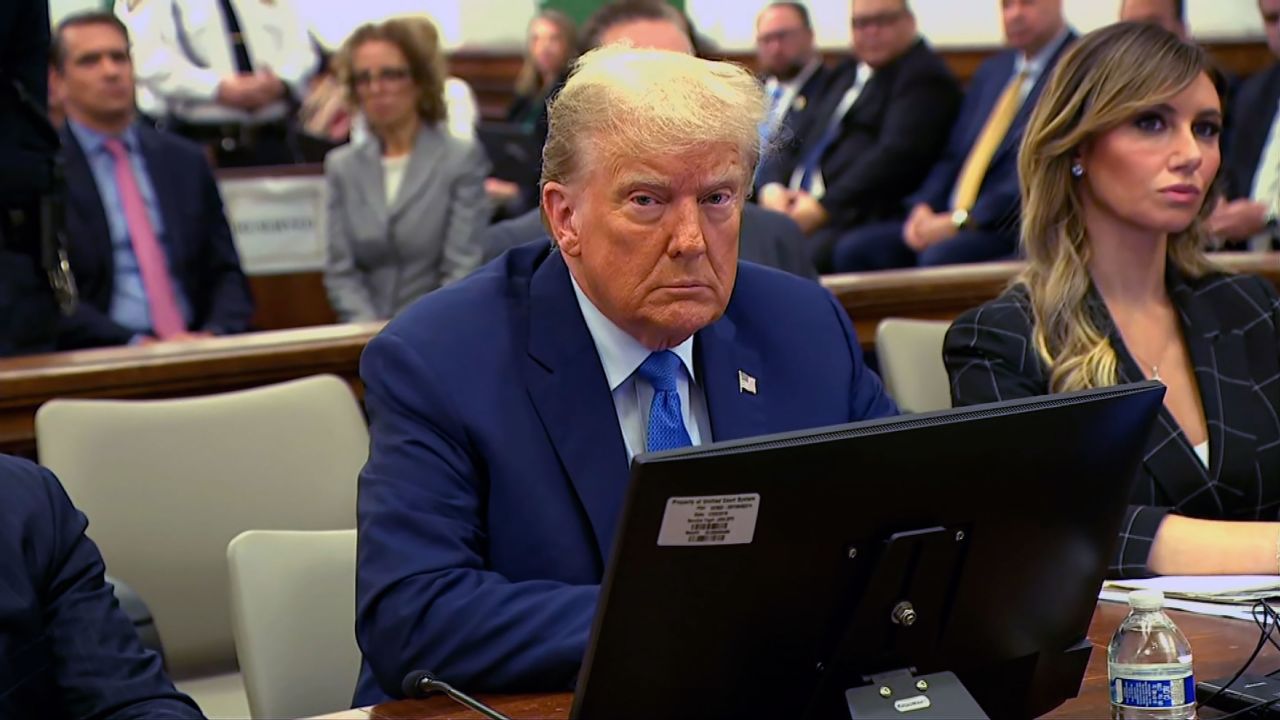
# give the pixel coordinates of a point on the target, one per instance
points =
(666, 424)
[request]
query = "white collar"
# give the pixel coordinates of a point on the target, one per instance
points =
(621, 354)
(1034, 66)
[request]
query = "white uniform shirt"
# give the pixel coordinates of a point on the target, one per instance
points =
(182, 50)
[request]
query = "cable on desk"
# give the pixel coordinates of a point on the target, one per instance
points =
(1267, 619)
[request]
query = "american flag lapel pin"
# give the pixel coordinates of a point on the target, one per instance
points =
(746, 383)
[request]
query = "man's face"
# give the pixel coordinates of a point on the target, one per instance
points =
(1156, 12)
(1270, 10)
(882, 31)
(1030, 25)
(783, 44)
(96, 78)
(653, 240)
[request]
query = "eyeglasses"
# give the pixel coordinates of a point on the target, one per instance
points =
(880, 20)
(386, 76)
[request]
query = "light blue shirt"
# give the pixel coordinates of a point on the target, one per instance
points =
(1034, 66)
(621, 355)
(129, 307)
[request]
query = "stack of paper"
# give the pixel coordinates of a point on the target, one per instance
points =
(1222, 595)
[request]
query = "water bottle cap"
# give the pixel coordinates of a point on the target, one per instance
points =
(1146, 599)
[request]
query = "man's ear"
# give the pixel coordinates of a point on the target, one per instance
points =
(560, 204)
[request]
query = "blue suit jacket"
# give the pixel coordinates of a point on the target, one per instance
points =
(197, 241)
(66, 648)
(497, 468)
(999, 199)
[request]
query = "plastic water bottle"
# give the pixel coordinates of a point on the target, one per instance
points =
(1149, 664)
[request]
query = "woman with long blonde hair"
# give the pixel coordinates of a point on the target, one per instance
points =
(1117, 169)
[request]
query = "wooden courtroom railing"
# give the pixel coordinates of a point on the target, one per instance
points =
(945, 292)
(492, 75)
(230, 363)
(172, 370)
(1219, 646)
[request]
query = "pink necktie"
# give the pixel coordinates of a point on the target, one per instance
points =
(166, 319)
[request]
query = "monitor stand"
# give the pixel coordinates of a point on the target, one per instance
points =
(901, 694)
(895, 607)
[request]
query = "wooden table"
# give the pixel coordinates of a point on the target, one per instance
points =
(172, 370)
(1219, 646)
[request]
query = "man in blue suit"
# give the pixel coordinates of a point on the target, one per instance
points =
(66, 648)
(162, 203)
(967, 210)
(505, 409)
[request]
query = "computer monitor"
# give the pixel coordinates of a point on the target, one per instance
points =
(765, 577)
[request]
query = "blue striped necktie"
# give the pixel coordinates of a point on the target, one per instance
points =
(666, 423)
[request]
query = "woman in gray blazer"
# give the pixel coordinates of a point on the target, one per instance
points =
(407, 204)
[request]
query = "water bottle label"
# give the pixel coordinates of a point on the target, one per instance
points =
(1148, 686)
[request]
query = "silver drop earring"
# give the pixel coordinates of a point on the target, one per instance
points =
(1077, 170)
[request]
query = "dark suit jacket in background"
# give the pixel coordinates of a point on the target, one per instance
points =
(1232, 328)
(197, 241)
(997, 207)
(66, 648)
(889, 139)
(766, 238)
(795, 120)
(497, 469)
(1252, 112)
(28, 314)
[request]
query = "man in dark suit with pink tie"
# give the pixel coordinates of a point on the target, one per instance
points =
(148, 239)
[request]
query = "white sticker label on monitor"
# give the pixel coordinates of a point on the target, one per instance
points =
(709, 520)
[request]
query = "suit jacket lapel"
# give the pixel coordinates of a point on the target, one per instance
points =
(571, 395)
(426, 152)
(372, 183)
(1170, 459)
(84, 198)
(734, 412)
(1214, 353)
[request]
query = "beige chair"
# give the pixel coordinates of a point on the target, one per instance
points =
(293, 613)
(166, 484)
(910, 357)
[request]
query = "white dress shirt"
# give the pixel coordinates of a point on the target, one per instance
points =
(621, 355)
(182, 50)
(1034, 66)
(393, 175)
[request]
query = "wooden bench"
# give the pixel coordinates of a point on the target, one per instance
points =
(945, 292)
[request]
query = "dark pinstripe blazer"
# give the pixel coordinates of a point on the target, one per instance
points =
(1231, 324)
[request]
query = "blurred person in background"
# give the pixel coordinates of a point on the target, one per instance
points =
(790, 64)
(406, 203)
(551, 48)
(147, 235)
(225, 73)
